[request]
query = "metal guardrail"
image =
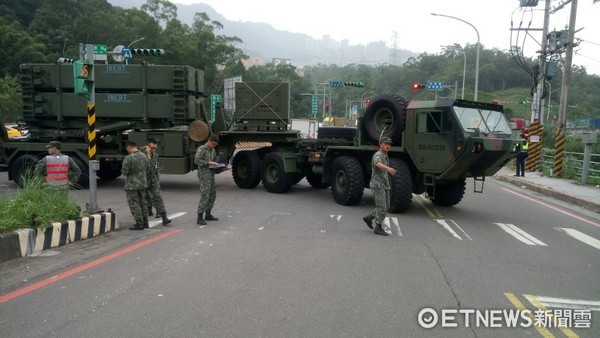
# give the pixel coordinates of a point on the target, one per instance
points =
(572, 165)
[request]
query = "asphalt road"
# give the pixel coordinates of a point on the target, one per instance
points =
(300, 265)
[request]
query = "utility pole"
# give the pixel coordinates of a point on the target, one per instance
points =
(564, 93)
(536, 129)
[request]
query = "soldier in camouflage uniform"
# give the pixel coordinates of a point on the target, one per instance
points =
(205, 157)
(136, 183)
(380, 185)
(153, 171)
(59, 170)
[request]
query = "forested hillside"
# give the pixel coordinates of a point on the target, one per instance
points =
(43, 30)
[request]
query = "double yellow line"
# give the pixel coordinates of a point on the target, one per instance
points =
(432, 212)
(539, 306)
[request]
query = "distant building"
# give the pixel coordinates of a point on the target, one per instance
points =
(253, 61)
(281, 61)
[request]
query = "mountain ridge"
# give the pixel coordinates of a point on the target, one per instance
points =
(263, 40)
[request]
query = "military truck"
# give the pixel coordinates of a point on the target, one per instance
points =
(437, 145)
(132, 102)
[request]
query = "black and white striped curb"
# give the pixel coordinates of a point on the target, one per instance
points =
(25, 242)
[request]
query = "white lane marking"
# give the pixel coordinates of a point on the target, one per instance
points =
(386, 225)
(446, 226)
(564, 303)
(520, 234)
(591, 241)
(396, 224)
(154, 223)
(336, 217)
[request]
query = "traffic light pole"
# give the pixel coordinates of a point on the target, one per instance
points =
(93, 164)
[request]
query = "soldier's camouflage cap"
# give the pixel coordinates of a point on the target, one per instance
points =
(53, 144)
(386, 140)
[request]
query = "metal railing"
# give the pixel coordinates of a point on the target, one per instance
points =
(572, 165)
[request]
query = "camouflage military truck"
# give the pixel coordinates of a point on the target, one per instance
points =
(437, 146)
(132, 102)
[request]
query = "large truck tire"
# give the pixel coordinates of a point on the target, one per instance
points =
(449, 194)
(84, 179)
(316, 180)
(401, 184)
(344, 133)
(347, 182)
(386, 112)
(21, 169)
(109, 170)
(246, 169)
(273, 174)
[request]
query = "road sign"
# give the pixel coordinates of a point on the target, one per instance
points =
(117, 53)
(435, 86)
(315, 105)
(214, 99)
(100, 52)
(126, 51)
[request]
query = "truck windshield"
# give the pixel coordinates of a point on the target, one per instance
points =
(482, 120)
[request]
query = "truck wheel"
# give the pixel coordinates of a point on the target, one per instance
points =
(84, 179)
(386, 112)
(22, 169)
(347, 182)
(109, 170)
(401, 184)
(246, 169)
(315, 180)
(449, 194)
(273, 175)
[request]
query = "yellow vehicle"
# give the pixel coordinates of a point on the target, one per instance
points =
(13, 132)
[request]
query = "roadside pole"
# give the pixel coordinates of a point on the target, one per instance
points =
(94, 165)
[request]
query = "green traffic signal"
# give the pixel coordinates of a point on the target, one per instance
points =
(354, 84)
(147, 51)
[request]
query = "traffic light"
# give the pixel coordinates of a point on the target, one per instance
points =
(147, 51)
(336, 84)
(64, 60)
(354, 84)
(417, 86)
(82, 75)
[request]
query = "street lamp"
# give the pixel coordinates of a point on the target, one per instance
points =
(477, 57)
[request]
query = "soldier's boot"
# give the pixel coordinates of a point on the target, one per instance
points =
(379, 230)
(200, 220)
(137, 227)
(369, 220)
(210, 217)
(150, 211)
(146, 225)
(165, 220)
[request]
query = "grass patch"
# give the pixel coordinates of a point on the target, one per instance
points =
(36, 205)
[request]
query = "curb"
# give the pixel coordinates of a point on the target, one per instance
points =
(589, 205)
(26, 242)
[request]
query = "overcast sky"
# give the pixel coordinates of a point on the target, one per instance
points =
(417, 30)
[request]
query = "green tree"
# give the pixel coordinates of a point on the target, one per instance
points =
(161, 10)
(10, 99)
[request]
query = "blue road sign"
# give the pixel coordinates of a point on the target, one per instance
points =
(126, 51)
(435, 86)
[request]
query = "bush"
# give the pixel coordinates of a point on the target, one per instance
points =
(36, 205)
